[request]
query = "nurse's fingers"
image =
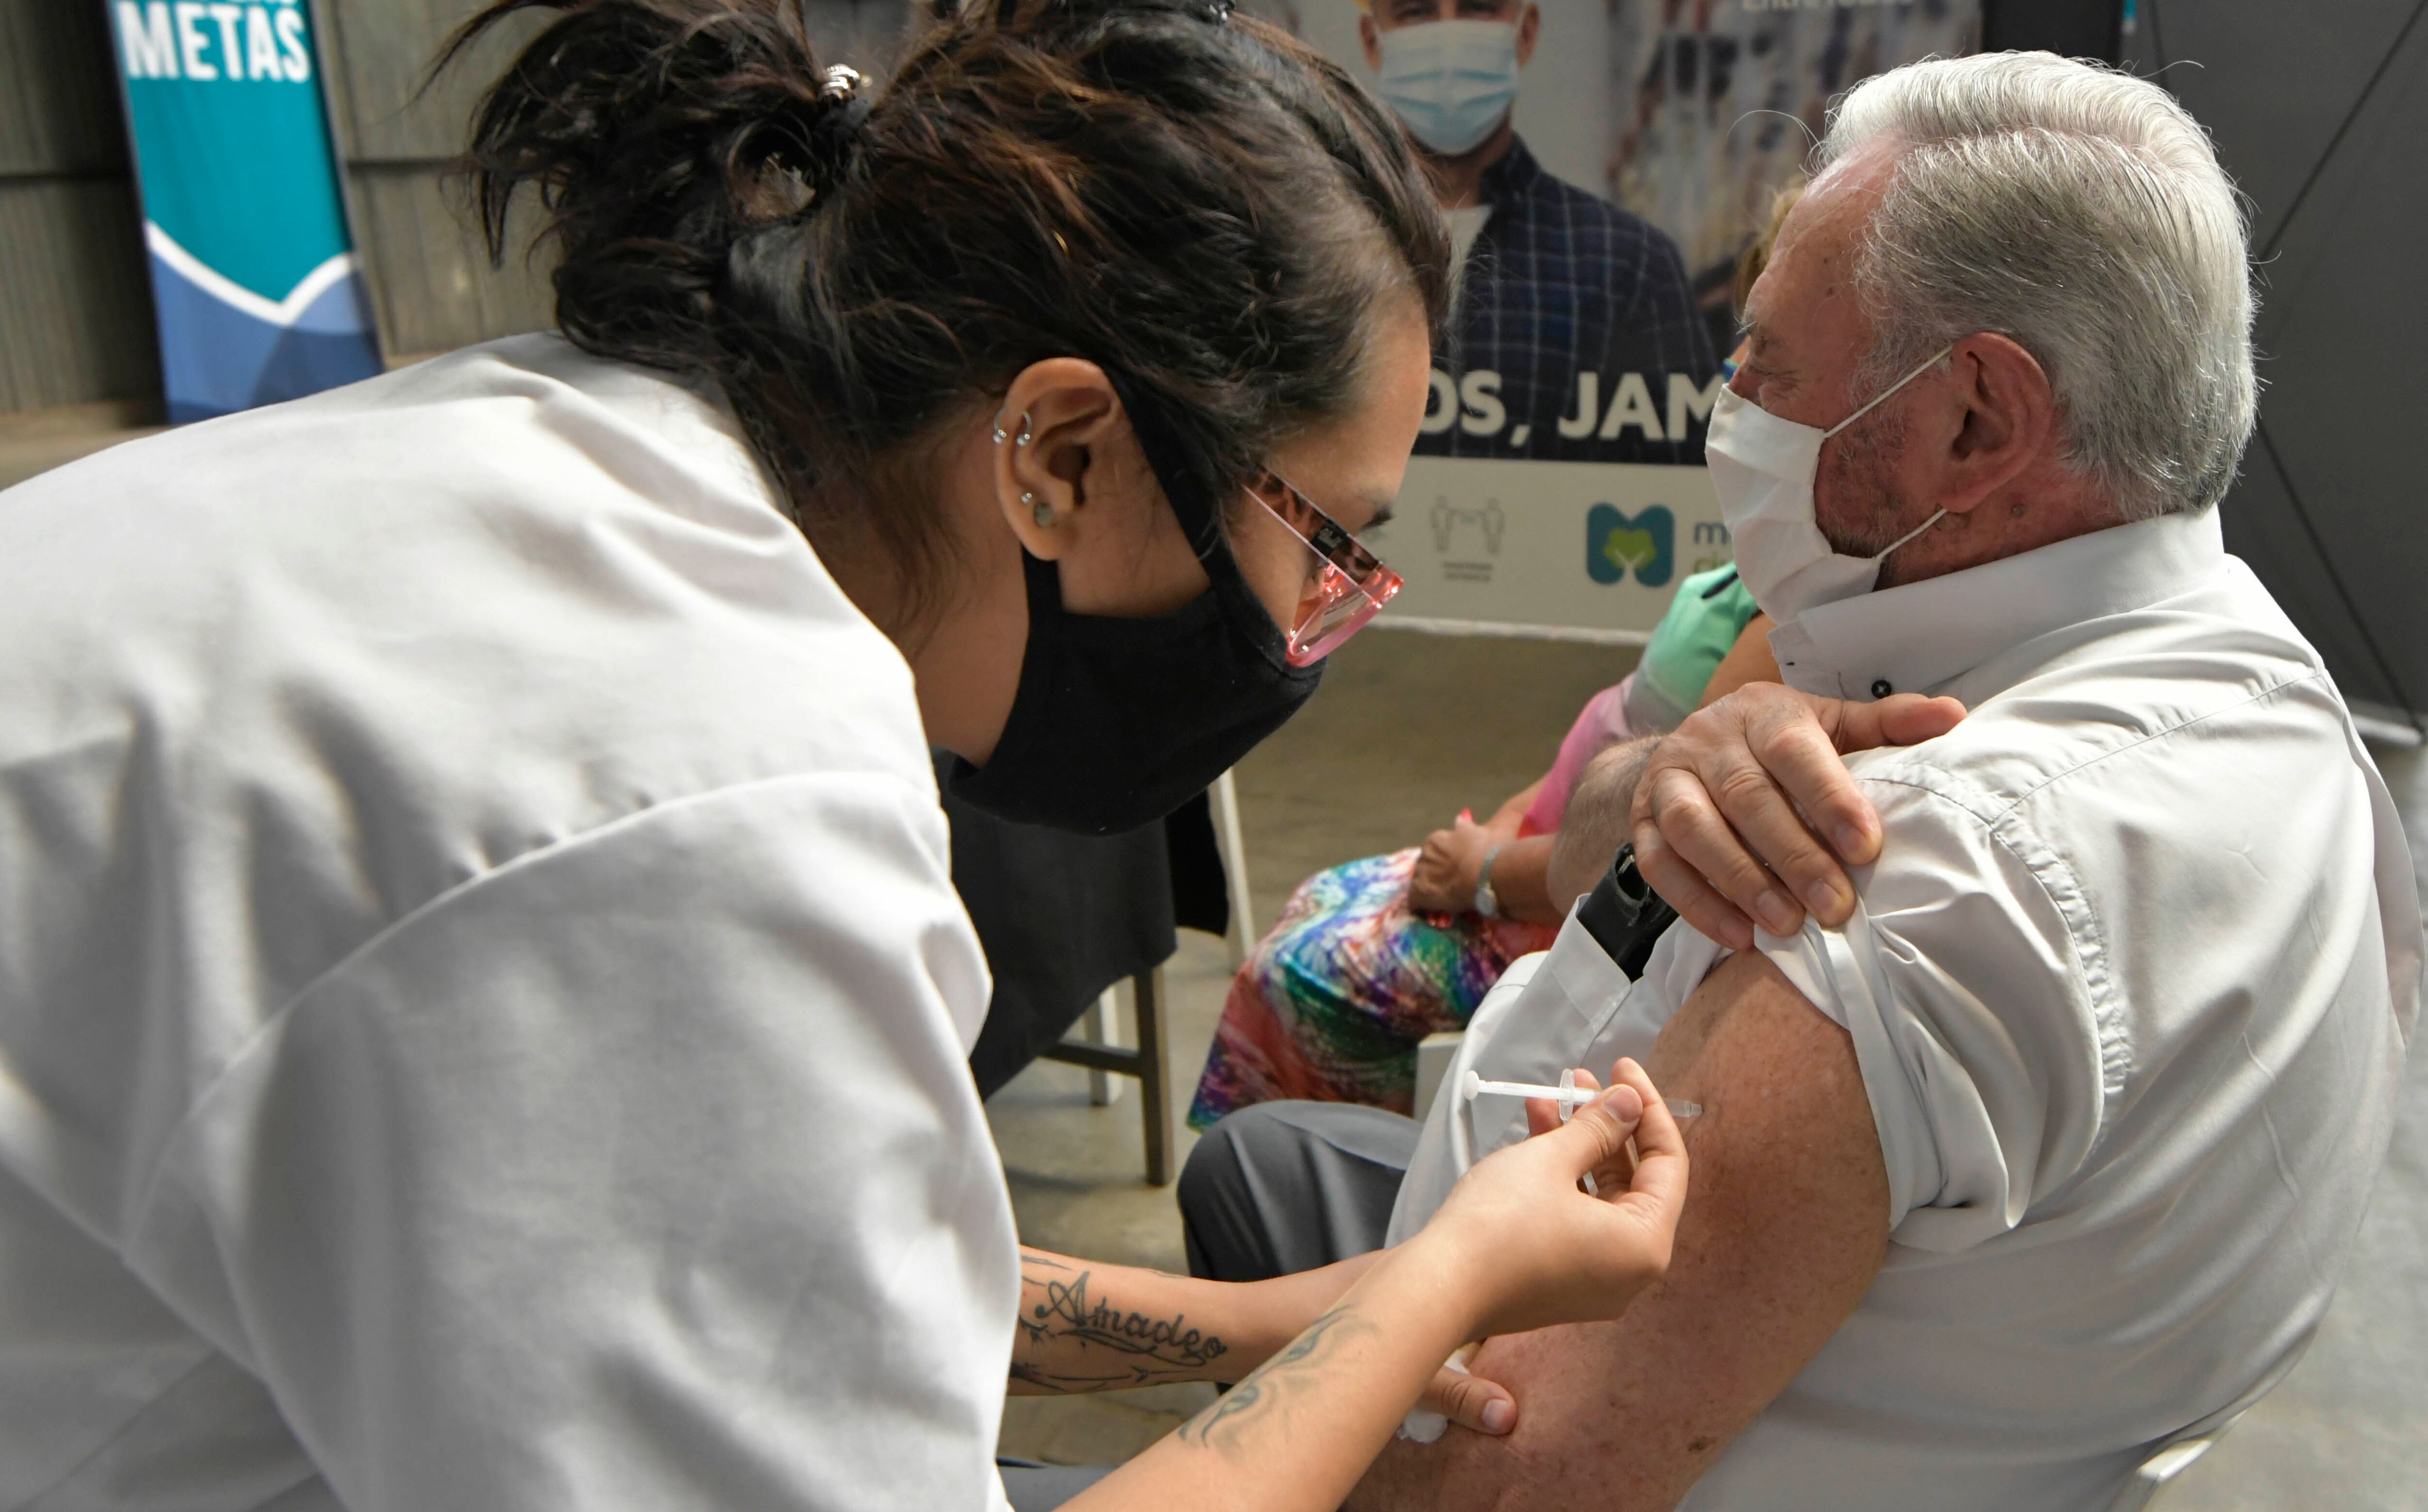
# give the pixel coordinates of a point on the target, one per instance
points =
(1543, 1114)
(1657, 1191)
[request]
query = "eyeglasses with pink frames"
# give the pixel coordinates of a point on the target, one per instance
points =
(1350, 585)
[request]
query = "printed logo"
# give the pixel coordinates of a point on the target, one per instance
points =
(1490, 520)
(1615, 542)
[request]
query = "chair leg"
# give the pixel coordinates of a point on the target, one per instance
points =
(1226, 795)
(1101, 1025)
(1155, 1075)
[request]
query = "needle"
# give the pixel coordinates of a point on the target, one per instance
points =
(1568, 1095)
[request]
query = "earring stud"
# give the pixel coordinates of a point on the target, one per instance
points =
(1001, 436)
(1023, 437)
(1038, 510)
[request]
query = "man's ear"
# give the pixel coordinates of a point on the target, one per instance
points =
(1058, 419)
(1529, 25)
(2005, 418)
(1371, 41)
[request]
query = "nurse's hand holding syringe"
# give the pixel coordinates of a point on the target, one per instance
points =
(1576, 1088)
(1514, 1247)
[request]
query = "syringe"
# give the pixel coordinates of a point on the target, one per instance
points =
(1567, 1094)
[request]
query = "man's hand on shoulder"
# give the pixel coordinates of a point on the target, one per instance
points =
(1729, 812)
(1747, 810)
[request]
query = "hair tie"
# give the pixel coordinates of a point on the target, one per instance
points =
(819, 136)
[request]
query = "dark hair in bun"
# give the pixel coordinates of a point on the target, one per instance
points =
(1193, 200)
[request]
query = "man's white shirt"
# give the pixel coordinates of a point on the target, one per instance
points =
(2130, 988)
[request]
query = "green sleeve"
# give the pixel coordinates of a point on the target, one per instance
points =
(1704, 621)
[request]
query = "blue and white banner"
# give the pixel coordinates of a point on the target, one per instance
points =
(253, 276)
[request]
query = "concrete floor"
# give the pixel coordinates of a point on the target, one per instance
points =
(1409, 729)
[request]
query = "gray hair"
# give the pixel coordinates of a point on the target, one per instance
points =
(2082, 213)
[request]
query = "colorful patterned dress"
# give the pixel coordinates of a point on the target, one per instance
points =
(1333, 1002)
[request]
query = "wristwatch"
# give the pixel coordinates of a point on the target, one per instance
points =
(1487, 903)
(1624, 915)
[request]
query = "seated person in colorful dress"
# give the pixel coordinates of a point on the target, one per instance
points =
(1372, 955)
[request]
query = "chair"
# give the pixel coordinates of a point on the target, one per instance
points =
(1098, 1042)
(1242, 931)
(1066, 918)
(1101, 1053)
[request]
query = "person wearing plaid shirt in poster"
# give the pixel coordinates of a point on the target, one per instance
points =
(1577, 335)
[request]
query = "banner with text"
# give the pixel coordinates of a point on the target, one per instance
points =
(254, 277)
(1554, 546)
(1603, 164)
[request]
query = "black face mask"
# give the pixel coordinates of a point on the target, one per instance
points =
(1118, 721)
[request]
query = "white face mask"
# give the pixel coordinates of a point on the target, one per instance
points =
(1451, 81)
(1763, 468)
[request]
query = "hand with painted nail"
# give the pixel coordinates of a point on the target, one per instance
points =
(1540, 1249)
(1746, 812)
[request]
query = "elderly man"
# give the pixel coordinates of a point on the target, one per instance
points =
(2046, 1146)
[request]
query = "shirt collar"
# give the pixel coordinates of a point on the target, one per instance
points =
(1921, 636)
(1510, 178)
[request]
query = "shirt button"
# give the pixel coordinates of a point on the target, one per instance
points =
(1881, 688)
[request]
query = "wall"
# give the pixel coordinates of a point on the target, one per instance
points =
(75, 310)
(433, 283)
(2320, 125)
(432, 287)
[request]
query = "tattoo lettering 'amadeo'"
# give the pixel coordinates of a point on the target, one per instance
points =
(1223, 1425)
(1142, 1350)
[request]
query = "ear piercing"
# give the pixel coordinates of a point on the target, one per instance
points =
(1038, 510)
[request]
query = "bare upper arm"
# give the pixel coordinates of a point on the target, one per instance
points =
(1747, 661)
(1784, 1228)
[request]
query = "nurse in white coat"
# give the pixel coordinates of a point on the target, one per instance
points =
(482, 1005)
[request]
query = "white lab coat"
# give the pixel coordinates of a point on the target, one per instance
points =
(483, 1003)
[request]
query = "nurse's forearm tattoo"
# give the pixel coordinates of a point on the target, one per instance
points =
(1223, 1425)
(1076, 1340)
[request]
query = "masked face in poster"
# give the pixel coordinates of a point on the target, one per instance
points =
(1451, 82)
(1448, 68)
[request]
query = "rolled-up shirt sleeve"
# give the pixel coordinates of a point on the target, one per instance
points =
(1966, 978)
(643, 1171)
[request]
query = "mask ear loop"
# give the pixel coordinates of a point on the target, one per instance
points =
(1882, 554)
(1881, 398)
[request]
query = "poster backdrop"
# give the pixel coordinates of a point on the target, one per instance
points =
(1558, 483)
(253, 274)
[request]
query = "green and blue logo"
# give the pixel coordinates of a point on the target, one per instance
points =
(1617, 543)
